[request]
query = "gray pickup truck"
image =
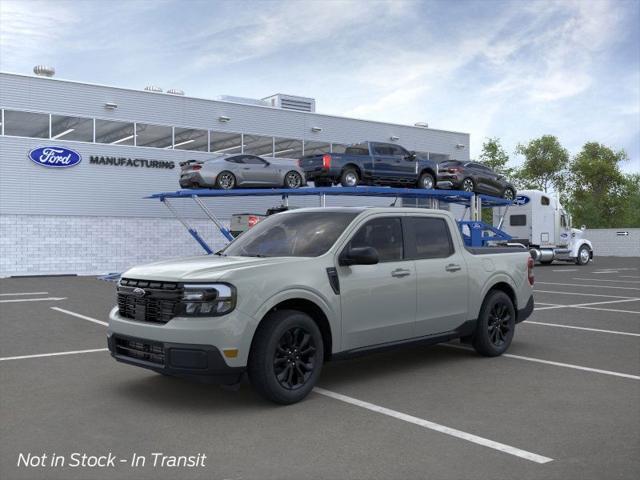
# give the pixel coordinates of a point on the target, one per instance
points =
(311, 285)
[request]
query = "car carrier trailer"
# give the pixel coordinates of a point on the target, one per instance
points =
(475, 232)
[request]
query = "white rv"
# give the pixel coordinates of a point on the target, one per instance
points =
(538, 221)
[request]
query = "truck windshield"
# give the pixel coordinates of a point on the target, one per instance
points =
(303, 234)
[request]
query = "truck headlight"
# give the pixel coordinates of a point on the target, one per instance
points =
(208, 300)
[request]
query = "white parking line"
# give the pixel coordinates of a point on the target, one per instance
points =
(555, 364)
(567, 270)
(485, 442)
(84, 317)
(583, 285)
(585, 294)
(603, 280)
(629, 276)
(22, 293)
(529, 322)
(589, 305)
(74, 352)
(611, 310)
(50, 299)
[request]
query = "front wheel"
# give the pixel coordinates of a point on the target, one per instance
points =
(426, 181)
(509, 194)
(584, 255)
(496, 325)
(468, 185)
(286, 356)
(293, 179)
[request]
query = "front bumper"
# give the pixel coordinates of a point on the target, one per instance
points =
(202, 363)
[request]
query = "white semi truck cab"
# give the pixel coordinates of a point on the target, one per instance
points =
(538, 221)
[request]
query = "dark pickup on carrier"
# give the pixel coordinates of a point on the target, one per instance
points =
(371, 163)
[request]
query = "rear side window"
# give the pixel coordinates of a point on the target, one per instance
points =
(357, 149)
(383, 234)
(428, 238)
(238, 159)
(518, 220)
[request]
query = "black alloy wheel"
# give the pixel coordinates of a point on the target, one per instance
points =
(499, 324)
(293, 179)
(496, 324)
(468, 185)
(294, 359)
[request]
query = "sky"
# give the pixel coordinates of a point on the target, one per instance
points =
(515, 69)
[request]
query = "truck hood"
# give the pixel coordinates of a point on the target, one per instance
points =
(201, 268)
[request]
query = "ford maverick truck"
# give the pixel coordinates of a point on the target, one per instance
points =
(311, 285)
(371, 163)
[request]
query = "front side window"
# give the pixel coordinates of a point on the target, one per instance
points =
(303, 234)
(253, 160)
(398, 151)
(544, 200)
(429, 238)
(383, 234)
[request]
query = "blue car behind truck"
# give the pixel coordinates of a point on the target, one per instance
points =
(371, 163)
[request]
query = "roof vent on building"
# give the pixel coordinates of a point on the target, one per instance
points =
(175, 91)
(292, 102)
(244, 100)
(44, 71)
(153, 88)
(421, 124)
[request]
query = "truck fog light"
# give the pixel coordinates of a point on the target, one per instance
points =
(207, 300)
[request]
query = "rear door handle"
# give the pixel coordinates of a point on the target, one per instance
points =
(400, 272)
(452, 267)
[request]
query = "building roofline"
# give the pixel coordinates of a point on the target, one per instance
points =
(233, 103)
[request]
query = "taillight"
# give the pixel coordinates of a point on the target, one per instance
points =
(252, 220)
(530, 276)
(196, 167)
(326, 161)
(454, 170)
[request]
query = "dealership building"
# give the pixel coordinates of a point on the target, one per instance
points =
(92, 217)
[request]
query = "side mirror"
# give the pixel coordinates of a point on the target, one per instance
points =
(359, 256)
(411, 156)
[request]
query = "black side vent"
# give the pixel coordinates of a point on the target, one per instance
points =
(334, 281)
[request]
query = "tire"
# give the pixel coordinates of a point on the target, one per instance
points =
(426, 181)
(496, 325)
(546, 262)
(584, 255)
(468, 185)
(225, 180)
(293, 180)
(349, 178)
(322, 183)
(509, 194)
(274, 354)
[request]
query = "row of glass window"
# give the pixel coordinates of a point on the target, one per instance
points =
(94, 130)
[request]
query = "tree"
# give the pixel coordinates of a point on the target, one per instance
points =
(495, 157)
(545, 163)
(599, 193)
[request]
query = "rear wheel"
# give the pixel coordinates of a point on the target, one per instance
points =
(468, 185)
(225, 180)
(584, 255)
(286, 356)
(496, 325)
(349, 178)
(293, 179)
(426, 181)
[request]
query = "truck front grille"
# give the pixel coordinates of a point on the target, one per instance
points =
(140, 350)
(148, 301)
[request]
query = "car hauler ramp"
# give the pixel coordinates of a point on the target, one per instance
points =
(479, 233)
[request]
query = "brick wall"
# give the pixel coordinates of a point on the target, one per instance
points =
(41, 245)
(606, 241)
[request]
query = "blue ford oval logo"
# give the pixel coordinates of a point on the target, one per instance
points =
(521, 200)
(55, 157)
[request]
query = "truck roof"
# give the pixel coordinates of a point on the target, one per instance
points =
(371, 209)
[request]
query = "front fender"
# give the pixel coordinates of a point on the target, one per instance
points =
(330, 309)
(579, 243)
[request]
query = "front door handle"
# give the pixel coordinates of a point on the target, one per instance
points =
(400, 272)
(452, 267)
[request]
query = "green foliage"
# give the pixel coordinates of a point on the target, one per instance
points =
(544, 165)
(599, 195)
(495, 157)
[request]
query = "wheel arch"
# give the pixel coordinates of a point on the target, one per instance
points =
(501, 285)
(313, 307)
(430, 171)
(355, 167)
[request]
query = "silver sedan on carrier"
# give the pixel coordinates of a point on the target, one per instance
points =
(232, 171)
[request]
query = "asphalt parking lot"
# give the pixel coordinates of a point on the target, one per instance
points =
(564, 403)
